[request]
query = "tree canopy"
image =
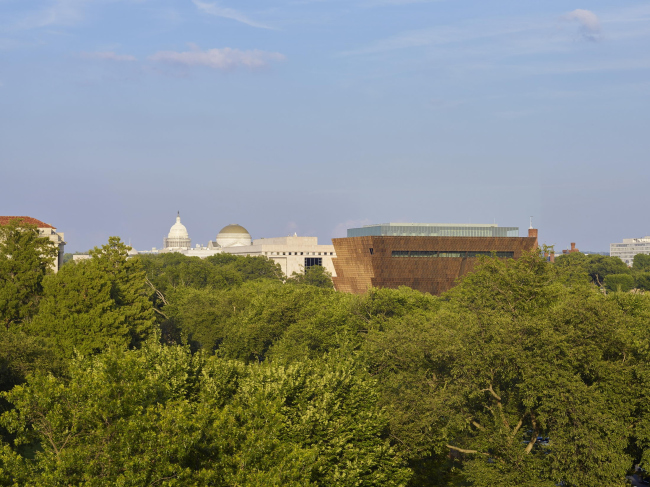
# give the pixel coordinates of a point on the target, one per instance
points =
(315, 275)
(525, 373)
(164, 416)
(25, 259)
(641, 263)
(596, 266)
(522, 379)
(96, 302)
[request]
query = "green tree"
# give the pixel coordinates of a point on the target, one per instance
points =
(202, 316)
(162, 416)
(315, 275)
(22, 355)
(78, 311)
(641, 263)
(642, 281)
(268, 316)
(521, 378)
(172, 270)
(169, 272)
(619, 282)
(129, 289)
(265, 318)
(95, 303)
(249, 267)
(25, 259)
(598, 267)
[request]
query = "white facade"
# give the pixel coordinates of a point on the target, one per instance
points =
(177, 238)
(57, 240)
(629, 248)
(294, 254)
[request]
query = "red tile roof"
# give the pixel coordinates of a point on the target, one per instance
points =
(4, 220)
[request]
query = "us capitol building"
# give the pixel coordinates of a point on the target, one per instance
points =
(293, 253)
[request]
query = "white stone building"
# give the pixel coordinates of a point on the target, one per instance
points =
(294, 254)
(177, 238)
(629, 248)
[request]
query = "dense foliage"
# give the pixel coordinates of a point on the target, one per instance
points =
(25, 259)
(96, 302)
(161, 415)
(609, 272)
(171, 370)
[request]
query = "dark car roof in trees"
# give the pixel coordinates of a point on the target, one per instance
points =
(4, 220)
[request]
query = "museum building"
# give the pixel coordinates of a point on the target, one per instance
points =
(292, 253)
(429, 257)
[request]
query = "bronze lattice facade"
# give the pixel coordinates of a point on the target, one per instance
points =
(428, 264)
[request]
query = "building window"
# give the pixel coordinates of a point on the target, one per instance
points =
(452, 254)
(423, 253)
(312, 261)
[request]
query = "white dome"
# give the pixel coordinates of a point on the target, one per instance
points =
(178, 230)
(233, 236)
(178, 238)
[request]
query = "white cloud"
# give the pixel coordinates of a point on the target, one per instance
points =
(446, 35)
(225, 58)
(228, 13)
(108, 55)
(59, 12)
(589, 22)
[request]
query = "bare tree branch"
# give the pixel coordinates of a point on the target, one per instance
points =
(158, 293)
(533, 440)
(478, 425)
(468, 452)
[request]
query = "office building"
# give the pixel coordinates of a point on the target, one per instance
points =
(629, 248)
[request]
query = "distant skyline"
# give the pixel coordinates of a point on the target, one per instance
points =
(313, 116)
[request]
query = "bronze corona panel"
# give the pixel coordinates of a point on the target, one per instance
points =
(428, 264)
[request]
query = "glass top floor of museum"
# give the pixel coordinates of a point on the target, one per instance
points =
(433, 230)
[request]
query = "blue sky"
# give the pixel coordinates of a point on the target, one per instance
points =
(312, 116)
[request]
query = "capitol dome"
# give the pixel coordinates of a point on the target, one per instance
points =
(178, 238)
(233, 236)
